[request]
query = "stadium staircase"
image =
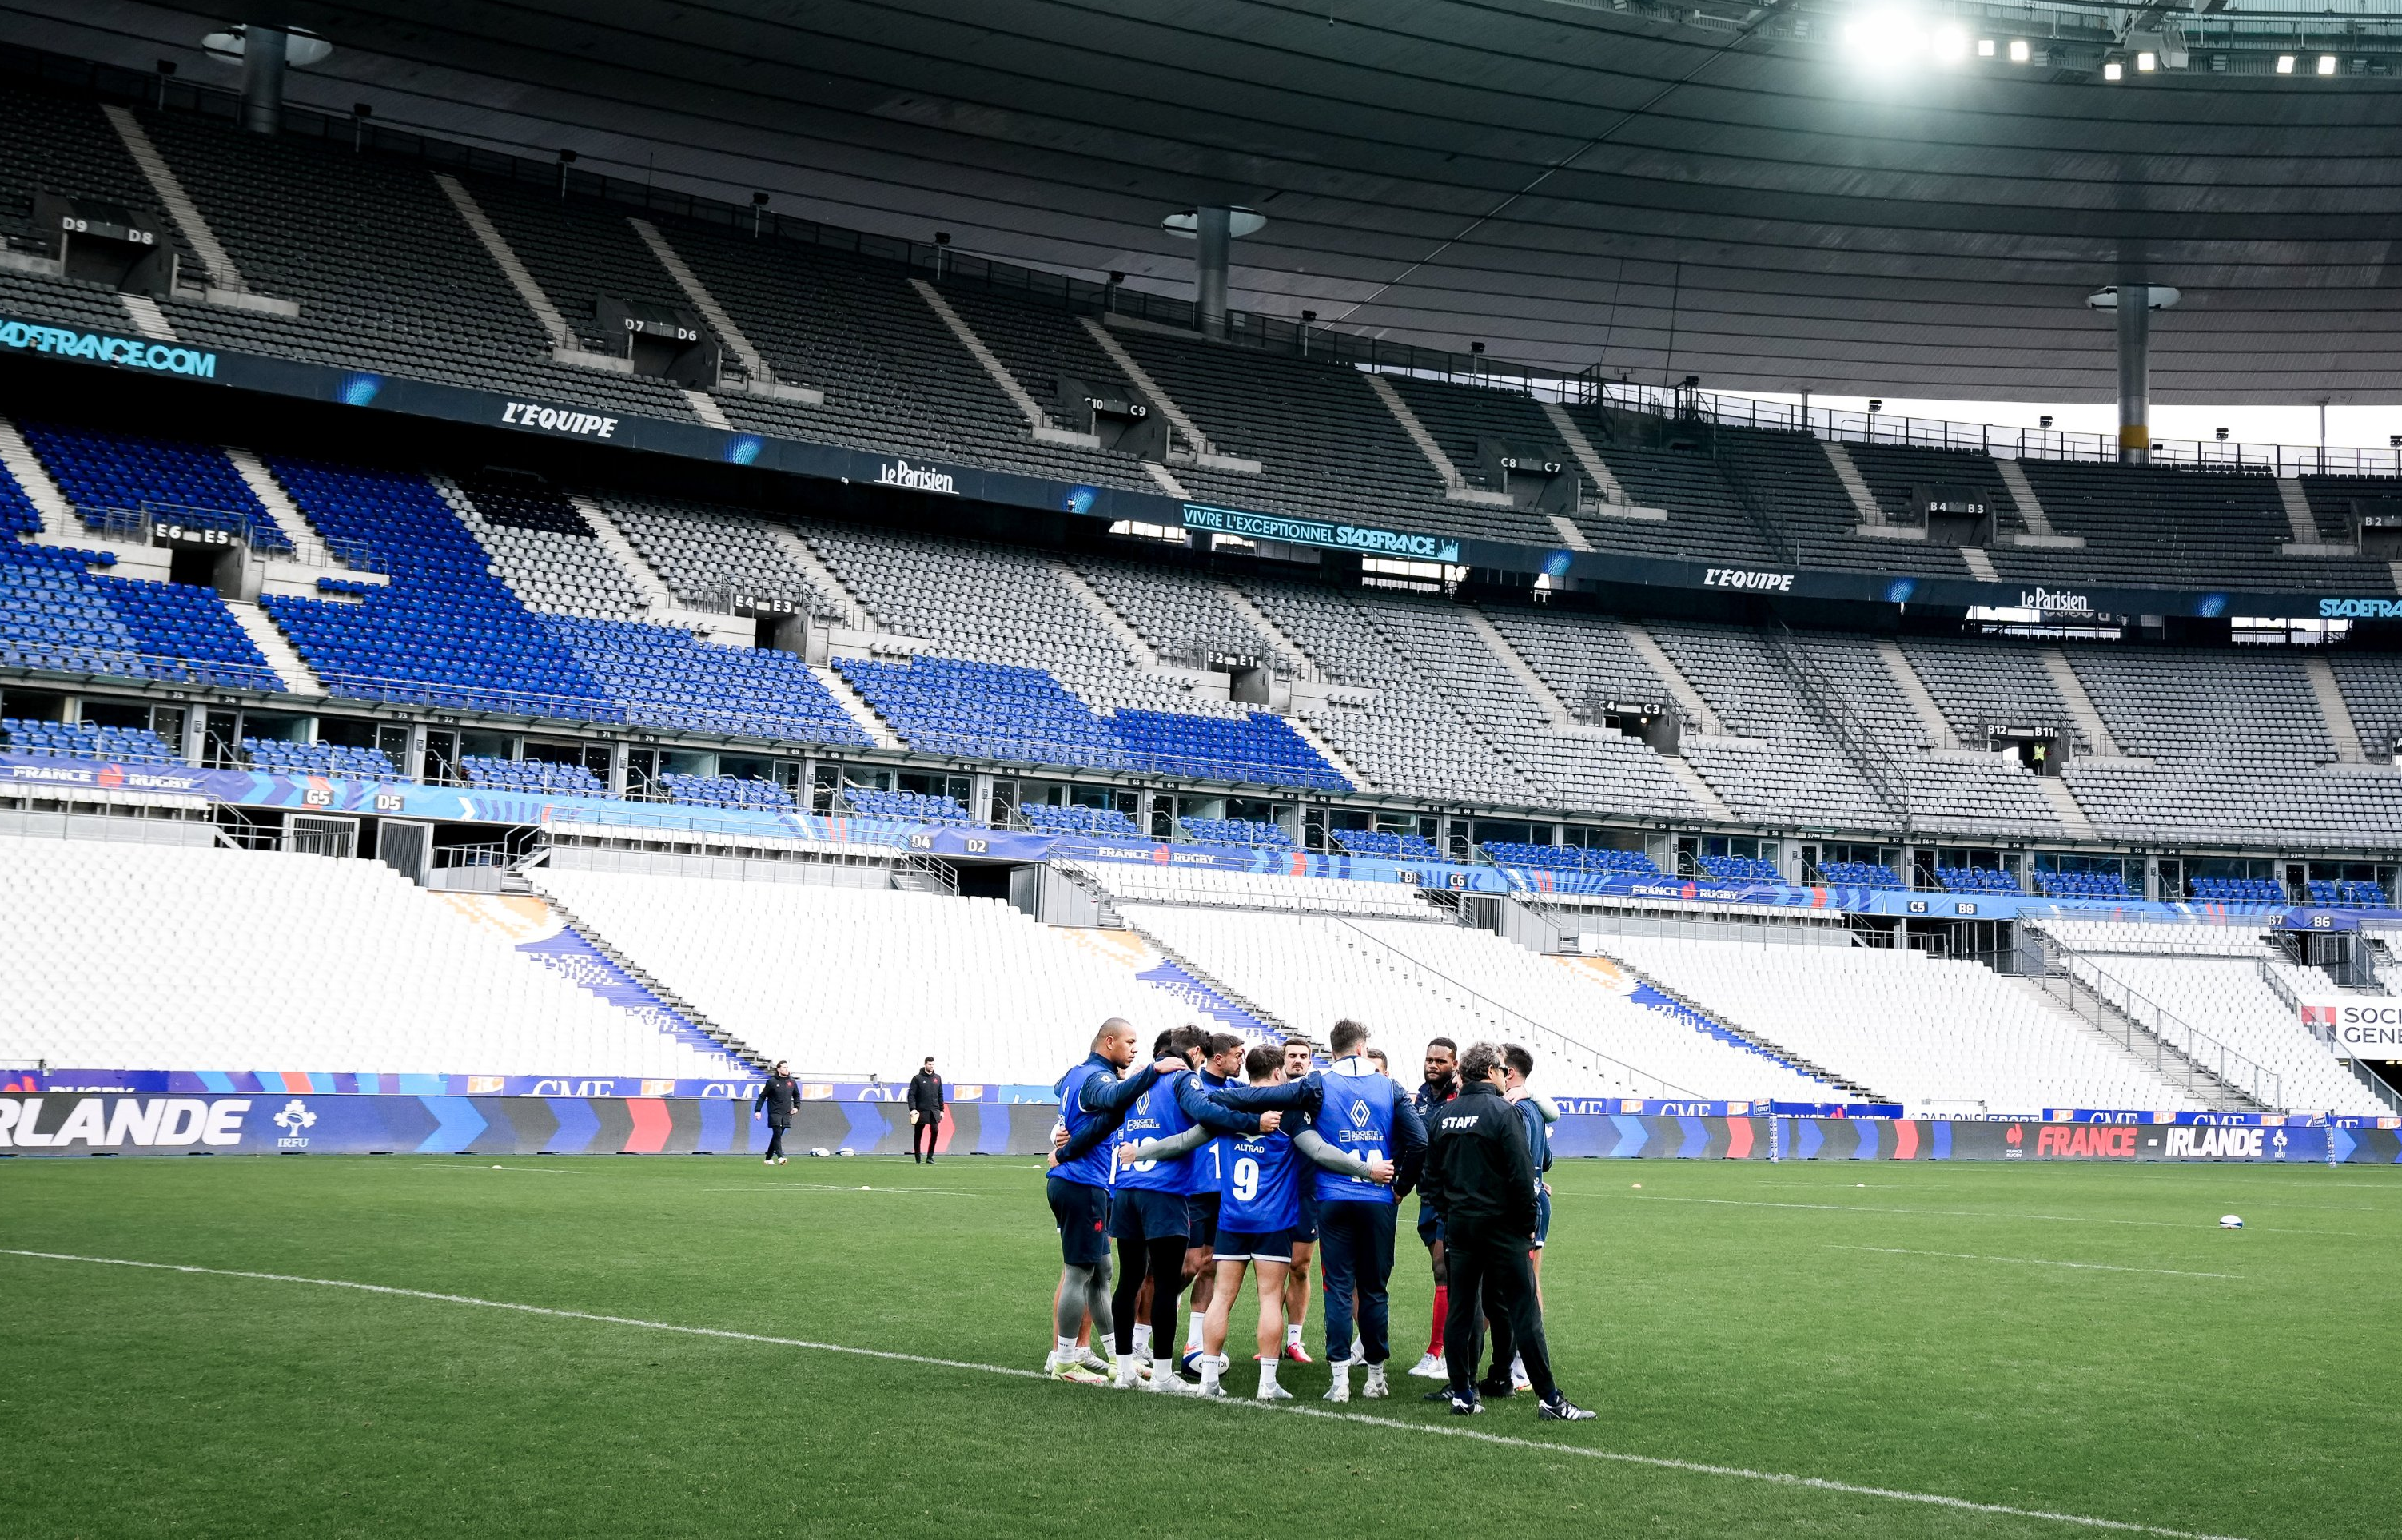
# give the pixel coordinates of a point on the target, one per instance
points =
(2165, 1044)
(1504, 1022)
(633, 970)
(1112, 916)
(1757, 1043)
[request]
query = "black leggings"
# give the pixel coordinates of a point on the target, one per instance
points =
(925, 1130)
(775, 1141)
(1162, 1260)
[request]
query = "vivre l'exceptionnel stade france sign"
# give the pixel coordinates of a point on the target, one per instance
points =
(1364, 539)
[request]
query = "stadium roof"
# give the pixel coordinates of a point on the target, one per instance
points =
(1726, 192)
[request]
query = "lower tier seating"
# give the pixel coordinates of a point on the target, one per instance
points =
(266, 961)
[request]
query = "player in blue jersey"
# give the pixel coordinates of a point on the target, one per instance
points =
(1223, 1062)
(1093, 1101)
(1147, 1215)
(1359, 1111)
(1260, 1183)
(1305, 1234)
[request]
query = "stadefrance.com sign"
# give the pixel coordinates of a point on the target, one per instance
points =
(133, 353)
(1365, 539)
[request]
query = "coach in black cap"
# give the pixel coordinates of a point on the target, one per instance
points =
(1480, 1177)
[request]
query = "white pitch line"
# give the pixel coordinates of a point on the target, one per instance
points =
(1691, 1468)
(837, 1186)
(2037, 1261)
(452, 1166)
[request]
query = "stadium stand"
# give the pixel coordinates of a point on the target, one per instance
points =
(1279, 894)
(277, 757)
(538, 777)
(916, 807)
(1934, 1035)
(726, 792)
(1977, 879)
(436, 994)
(1399, 847)
(1737, 868)
(1053, 819)
(2216, 978)
(1868, 874)
(889, 977)
(86, 741)
(1236, 831)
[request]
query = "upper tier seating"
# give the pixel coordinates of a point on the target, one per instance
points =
(446, 632)
(887, 976)
(101, 474)
(1868, 874)
(915, 806)
(1936, 1036)
(662, 676)
(539, 777)
(390, 278)
(1236, 831)
(726, 791)
(277, 757)
(86, 741)
(406, 982)
(57, 614)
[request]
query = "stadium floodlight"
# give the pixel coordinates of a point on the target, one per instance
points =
(1951, 44)
(2111, 70)
(1882, 40)
(2019, 50)
(1984, 48)
(2146, 62)
(2284, 63)
(2326, 64)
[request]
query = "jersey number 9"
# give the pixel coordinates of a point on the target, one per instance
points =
(1247, 1179)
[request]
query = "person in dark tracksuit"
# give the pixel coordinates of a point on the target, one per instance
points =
(926, 1106)
(780, 1095)
(1480, 1177)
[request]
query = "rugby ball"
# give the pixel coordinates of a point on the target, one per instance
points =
(845, 1152)
(2231, 1221)
(821, 1154)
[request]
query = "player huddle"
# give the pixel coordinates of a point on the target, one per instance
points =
(1215, 1159)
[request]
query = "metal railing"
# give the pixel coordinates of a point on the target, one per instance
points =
(1508, 1021)
(2163, 1039)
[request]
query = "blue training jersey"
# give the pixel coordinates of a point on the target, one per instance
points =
(1260, 1191)
(1096, 1166)
(1538, 1135)
(1157, 1115)
(1355, 1115)
(1209, 1161)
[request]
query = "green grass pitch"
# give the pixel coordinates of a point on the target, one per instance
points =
(2067, 1342)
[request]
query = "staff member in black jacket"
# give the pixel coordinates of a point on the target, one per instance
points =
(926, 1106)
(1480, 1179)
(780, 1097)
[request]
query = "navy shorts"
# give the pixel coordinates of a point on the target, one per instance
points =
(1305, 1232)
(1142, 1214)
(1430, 1227)
(1253, 1245)
(1542, 1216)
(1082, 1211)
(1201, 1218)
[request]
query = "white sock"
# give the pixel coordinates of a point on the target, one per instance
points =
(1210, 1365)
(1162, 1370)
(1067, 1350)
(1192, 1333)
(1518, 1367)
(1292, 1336)
(1143, 1342)
(1267, 1373)
(1126, 1369)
